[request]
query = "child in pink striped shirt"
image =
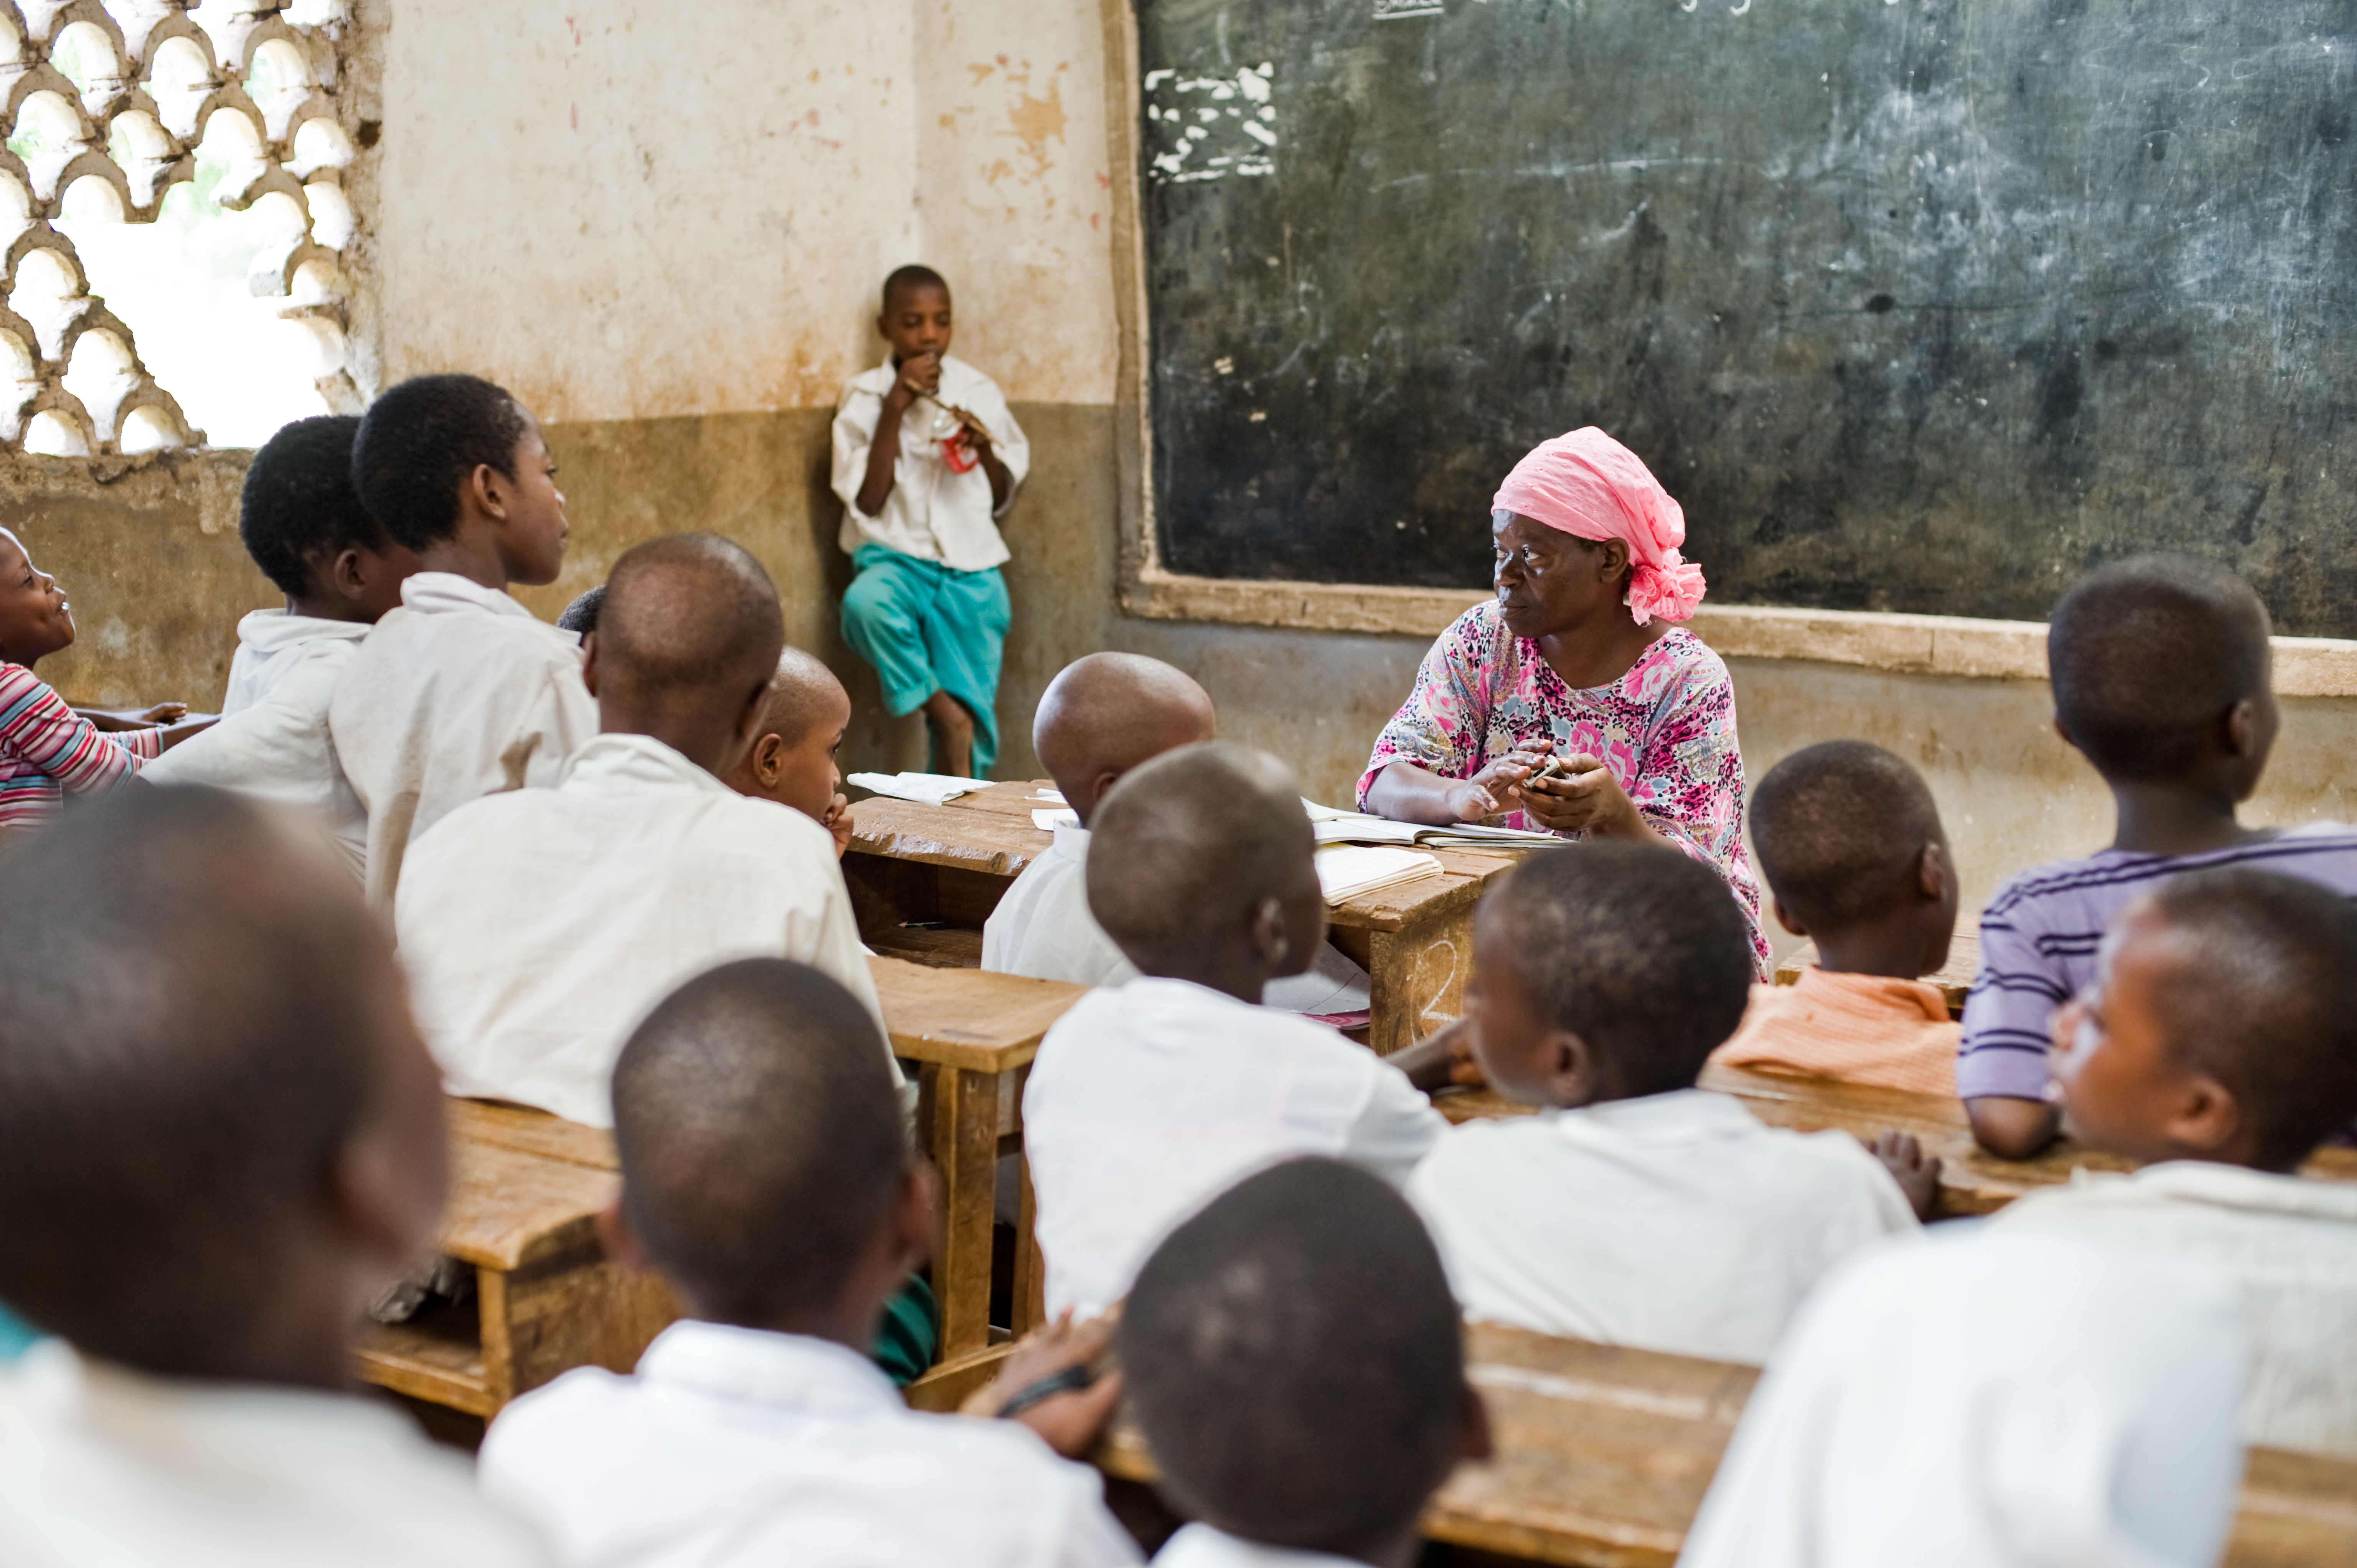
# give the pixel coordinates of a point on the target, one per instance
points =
(46, 749)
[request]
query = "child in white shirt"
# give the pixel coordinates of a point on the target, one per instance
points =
(1101, 717)
(1636, 1208)
(460, 693)
(767, 1175)
(540, 924)
(927, 456)
(305, 527)
(220, 1138)
(1295, 1360)
(793, 758)
(1148, 1100)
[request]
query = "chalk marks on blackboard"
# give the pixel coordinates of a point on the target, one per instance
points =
(1393, 10)
(1208, 127)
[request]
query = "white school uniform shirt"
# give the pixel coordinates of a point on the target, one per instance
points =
(1148, 1102)
(273, 740)
(2286, 1243)
(933, 513)
(1202, 1546)
(539, 927)
(1676, 1222)
(1989, 1397)
(458, 694)
(737, 1448)
(1043, 928)
(100, 1465)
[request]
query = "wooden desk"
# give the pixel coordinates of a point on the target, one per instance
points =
(546, 1299)
(1953, 978)
(1604, 1454)
(1972, 1181)
(923, 879)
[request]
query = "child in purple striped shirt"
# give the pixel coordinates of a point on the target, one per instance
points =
(2161, 681)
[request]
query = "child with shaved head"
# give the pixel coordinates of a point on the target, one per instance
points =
(2219, 1046)
(1296, 1363)
(539, 926)
(792, 759)
(220, 1138)
(1636, 1208)
(2160, 667)
(1149, 1100)
(767, 1174)
(1102, 715)
(1854, 857)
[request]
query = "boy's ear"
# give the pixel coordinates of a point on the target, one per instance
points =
(623, 1248)
(1097, 787)
(769, 760)
(2242, 730)
(1932, 874)
(2208, 1117)
(1475, 1438)
(1784, 916)
(348, 575)
(590, 661)
(485, 492)
(1574, 1068)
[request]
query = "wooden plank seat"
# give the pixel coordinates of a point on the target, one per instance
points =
(924, 878)
(1604, 1453)
(1972, 1181)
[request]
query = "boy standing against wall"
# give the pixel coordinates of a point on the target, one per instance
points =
(927, 457)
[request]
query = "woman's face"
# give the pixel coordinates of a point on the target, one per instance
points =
(1550, 582)
(34, 618)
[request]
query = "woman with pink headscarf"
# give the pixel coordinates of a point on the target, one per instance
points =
(1579, 657)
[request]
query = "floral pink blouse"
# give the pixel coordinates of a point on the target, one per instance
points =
(1666, 729)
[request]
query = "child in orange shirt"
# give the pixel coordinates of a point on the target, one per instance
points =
(1851, 845)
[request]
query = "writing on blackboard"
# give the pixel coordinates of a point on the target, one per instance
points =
(1208, 127)
(1392, 10)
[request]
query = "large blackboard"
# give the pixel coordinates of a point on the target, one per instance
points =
(1920, 306)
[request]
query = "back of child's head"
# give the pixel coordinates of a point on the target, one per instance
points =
(1186, 844)
(580, 616)
(760, 1137)
(200, 1014)
(2262, 997)
(912, 277)
(803, 691)
(1840, 828)
(1295, 1361)
(299, 505)
(687, 616)
(1105, 713)
(2147, 657)
(420, 441)
(1637, 948)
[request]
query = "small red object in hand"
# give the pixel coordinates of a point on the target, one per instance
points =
(960, 456)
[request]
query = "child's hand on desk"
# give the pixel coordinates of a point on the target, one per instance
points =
(1071, 1417)
(1917, 1173)
(1442, 1060)
(837, 822)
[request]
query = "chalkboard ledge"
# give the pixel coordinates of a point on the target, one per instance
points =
(1916, 644)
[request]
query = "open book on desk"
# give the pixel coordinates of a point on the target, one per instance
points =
(1348, 871)
(1357, 827)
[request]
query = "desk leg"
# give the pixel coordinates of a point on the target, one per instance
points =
(1418, 974)
(572, 1310)
(961, 1112)
(1030, 1268)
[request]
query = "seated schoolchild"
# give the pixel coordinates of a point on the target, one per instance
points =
(2160, 667)
(767, 1175)
(220, 1138)
(1101, 717)
(48, 750)
(305, 527)
(1850, 843)
(1636, 1208)
(2219, 1048)
(459, 693)
(792, 759)
(1296, 1363)
(1149, 1100)
(540, 924)
(1987, 1398)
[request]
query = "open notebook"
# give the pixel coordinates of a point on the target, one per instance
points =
(1357, 827)
(931, 789)
(1347, 871)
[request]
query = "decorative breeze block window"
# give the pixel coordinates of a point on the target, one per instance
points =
(171, 183)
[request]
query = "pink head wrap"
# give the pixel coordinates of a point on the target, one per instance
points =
(1591, 487)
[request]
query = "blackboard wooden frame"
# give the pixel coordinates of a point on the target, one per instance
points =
(1908, 643)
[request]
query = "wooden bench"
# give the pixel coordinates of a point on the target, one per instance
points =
(1972, 1181)
(924, 878)
(1604, 1454)
(1954, 978)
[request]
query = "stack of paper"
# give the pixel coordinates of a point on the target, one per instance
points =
(931, 789)
(1355, 827)
(1347, 872)
(1048, 819)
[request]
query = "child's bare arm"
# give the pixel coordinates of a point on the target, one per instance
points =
(1917, 1173)
(1055, 1384)
(976, 437)
(1442, 1060)
(919, 375)
(2012, 1129)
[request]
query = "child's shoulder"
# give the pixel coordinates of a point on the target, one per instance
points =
(2322, 852)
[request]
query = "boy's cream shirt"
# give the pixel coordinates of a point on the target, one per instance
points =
(539, 926)
(933, 513)
(2288, 1244)
(101, 1466)
(458, 694)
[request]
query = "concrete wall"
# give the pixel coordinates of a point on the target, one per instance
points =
(664, 228)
